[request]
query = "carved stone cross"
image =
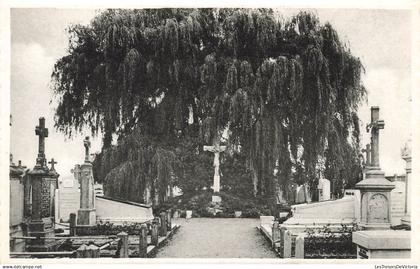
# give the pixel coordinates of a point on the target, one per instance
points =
(41, 132)
(76, 172)
(86, 143)
(52, 162)
(216, 149)
(375, 125)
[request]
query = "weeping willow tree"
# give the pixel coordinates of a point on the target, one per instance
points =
(281, 93)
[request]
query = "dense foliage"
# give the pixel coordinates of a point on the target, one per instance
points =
(327, 243)
(284, 94)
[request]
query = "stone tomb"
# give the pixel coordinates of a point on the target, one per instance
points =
(119, 211)
(344, 211)
(378, 240)
(382, 244)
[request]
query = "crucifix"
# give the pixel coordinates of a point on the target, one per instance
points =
(216, 149)
(52, 162)
(42, 132)
(86, 143)
(367, 150)
(374, 126)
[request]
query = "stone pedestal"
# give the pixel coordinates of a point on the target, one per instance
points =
(385, 244)
(41, 223)
(86, 215)
(215, 199)
(375, 192)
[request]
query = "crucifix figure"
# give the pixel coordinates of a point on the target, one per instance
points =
(216, 149)
(374, 126)
(367, 150)
(86, 143)
(42, 132)
(52, 162)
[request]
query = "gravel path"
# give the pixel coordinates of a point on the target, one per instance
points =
(217, 238)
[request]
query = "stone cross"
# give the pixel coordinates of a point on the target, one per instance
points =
(374, 126)
(52, 162)
(216, 149)
(86, 143)
(42, 132)
(76, 172)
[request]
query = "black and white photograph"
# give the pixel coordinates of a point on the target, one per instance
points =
(211, 133)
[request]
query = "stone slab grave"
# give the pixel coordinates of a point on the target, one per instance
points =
(332, 212)
(118, 211)
(383, 244)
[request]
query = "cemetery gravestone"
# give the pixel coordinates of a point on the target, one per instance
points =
(302, 194)
(406, 156)
(41, 222)
(375, 189)
(86, 215)
(68, 199)
(324, 189)
(378, 241)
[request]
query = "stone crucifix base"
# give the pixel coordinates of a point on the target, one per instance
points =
(215, 199)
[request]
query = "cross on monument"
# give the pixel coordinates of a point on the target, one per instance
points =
(76, 172)
(86, 143)
(216, 149)
(42, 132)
(52, 162)
(374, 126)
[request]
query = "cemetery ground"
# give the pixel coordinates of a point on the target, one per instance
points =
(217, 238)
(364, 223)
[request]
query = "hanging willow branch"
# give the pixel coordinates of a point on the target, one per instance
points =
(286, 93)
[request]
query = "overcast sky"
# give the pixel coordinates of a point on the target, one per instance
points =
(381, 38)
